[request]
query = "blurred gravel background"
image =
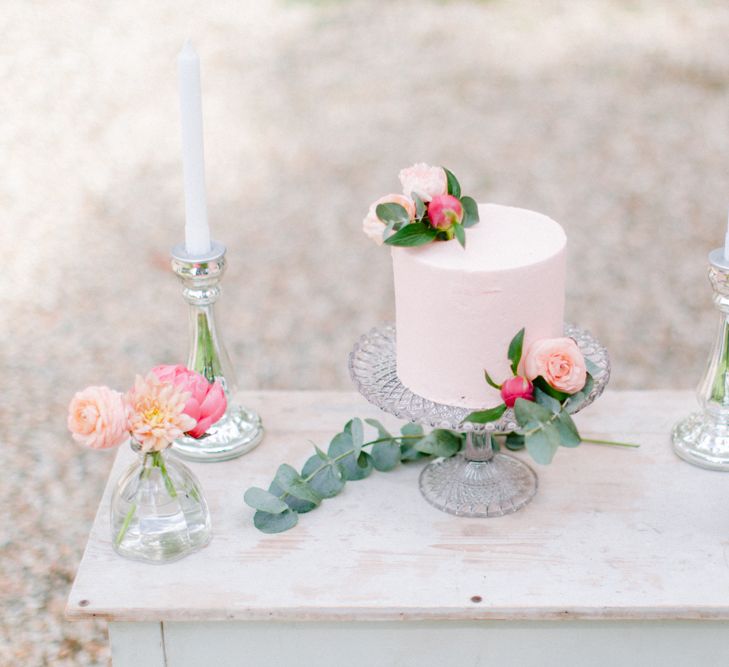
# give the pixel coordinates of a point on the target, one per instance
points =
(610, 116)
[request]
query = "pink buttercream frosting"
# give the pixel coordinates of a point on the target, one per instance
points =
(458, 309)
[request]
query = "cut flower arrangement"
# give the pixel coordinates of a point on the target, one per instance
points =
(430, 209)
(158, 510)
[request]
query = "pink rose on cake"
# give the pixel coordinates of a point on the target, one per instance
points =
(373, 227)
(444, 211)
(424, 180)
(559, 361)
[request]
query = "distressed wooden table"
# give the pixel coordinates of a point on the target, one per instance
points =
(621, 559)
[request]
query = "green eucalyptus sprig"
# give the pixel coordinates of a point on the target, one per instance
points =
(324, 475)
(544, 414)
(422, 230)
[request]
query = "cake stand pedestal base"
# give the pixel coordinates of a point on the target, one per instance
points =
(703, 439)
(478, 482)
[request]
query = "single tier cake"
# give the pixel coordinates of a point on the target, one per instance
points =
(457, 309)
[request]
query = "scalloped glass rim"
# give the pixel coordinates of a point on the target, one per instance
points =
(373, 369)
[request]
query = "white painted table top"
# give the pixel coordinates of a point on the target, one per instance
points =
(613, 533)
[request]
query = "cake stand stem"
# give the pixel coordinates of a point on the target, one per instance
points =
(478, 482)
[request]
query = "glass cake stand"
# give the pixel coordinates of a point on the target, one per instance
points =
(478, 482)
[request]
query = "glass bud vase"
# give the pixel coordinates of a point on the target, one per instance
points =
(158, 510)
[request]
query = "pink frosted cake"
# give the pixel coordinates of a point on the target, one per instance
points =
(457, 309)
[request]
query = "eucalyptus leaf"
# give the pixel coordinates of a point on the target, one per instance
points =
(575, 401)
(297, 505)
(527, 412)
(568, 434)
(460, 233)
(514, 441)
(275, 523)
(542, 384)
(260, 499)
(470, 211)
(419, 205)
(382, 432)
(354, 428)
(439, 442)
(515, 349)
(385, 455)
(543, 443)
(393, 213)
(415, 234)
(454, 187)
(292, 483)
(592, 368)
(341, 445)
(328, 477)
(411, 428)
(549, 402)
(486, 416)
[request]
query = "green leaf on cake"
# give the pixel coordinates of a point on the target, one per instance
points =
(392, 213)
(531, 415)
(515, 350)
(576, 400)
(514, 441)
(547, 401)
(454, 187)
(460, 233)
(470, 211)
(568, 434)
(592, 367)
(260, 499)
(486, 416)
(415, 234)
(439, 442)
(275, 523)
(419, 205)
(541, 384)
(491, 381)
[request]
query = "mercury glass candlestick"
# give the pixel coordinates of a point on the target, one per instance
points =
(702, 438)
(240, 429)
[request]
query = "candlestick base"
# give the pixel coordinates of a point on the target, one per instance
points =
(703, 441)
(237, 433)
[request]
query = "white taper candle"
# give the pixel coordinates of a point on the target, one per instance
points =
(197, 232)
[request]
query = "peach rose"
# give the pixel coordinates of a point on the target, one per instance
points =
(559, 361)
(373, 227)
(97, 418)
(424, 180)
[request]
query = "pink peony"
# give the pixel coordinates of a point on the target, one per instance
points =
(516, 387)
(206, 403)
(157, 413)
(559, 361)
(424, 180)
(373, 227)
(97, 418)
(444, 211)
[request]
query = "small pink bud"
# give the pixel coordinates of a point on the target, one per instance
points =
(516, 387)
(444, 211)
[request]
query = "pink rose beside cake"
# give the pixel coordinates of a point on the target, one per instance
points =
(458, 305)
